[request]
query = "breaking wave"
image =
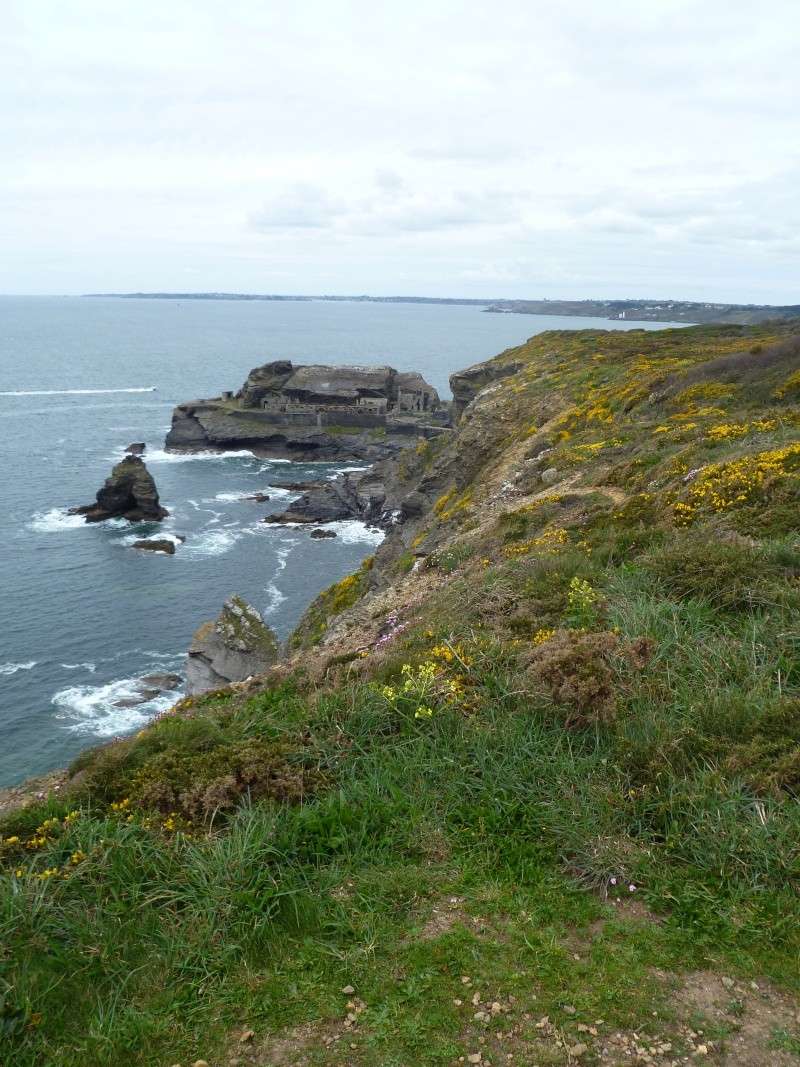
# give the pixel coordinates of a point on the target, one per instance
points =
(55, 520)
(160, 455)
(89, 709)
(12, 668)
(214, 542)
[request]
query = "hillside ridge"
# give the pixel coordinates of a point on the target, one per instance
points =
(523, 789)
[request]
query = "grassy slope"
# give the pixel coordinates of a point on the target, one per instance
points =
(586, 686)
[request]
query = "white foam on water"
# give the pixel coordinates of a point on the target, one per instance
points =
(160, 455)
(12, 668)
(276, 596)
(349, 531)
(352, 532)
(89, 709)
(91, 667)
(131, 539)
(334, 474)
(56, 520)
(76, 392)
(229, 498)
(211, 542)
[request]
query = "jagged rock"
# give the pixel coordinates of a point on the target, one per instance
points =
(137, 448)
(550, 476)
(234, 647)
(128, 493)
(156, 544)
(414, 505)
(466, 384)
(260, 498)
(324, 502)
(319, 534)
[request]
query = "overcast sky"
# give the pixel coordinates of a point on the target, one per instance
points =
(560, 148)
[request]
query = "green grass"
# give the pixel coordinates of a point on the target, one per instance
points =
(560, 719)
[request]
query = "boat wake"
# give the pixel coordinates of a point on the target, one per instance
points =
(75, 392)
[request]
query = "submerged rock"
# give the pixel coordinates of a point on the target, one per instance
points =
(137, 448)
(148, 688)
(163, 680)
(128, 493)
(234, 647)
(318, 534)
(156, 544)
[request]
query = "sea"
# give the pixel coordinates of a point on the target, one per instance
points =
(83, 615)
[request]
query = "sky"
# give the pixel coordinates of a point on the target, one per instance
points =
(513, 149)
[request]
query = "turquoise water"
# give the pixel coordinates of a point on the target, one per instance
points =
(82, 615)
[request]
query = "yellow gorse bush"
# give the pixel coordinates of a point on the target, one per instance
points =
(732, 430)
(549, 541)
(723, 486)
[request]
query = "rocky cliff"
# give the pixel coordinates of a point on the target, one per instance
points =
(314, 412)
(236, 646)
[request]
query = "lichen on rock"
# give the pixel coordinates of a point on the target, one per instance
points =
(237, 645)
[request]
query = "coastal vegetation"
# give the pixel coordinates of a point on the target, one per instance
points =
(524, 790)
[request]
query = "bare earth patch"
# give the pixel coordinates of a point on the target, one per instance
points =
(756, 1014)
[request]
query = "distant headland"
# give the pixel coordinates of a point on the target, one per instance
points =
(683, 311)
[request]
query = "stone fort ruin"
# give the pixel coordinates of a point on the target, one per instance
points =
(346, 396)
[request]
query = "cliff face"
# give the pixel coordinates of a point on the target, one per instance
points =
(314, 412)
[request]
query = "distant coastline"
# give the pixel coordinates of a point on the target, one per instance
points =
(682, 311)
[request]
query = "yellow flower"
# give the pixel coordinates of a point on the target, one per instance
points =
(423, 712)
(541, 636)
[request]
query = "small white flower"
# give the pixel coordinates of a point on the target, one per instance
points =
(631, 888)
(613, 881)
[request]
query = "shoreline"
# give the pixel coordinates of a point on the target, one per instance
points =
(37, 786)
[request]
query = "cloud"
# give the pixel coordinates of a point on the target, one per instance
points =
(589, 148)
(303, 207)
(389, 208)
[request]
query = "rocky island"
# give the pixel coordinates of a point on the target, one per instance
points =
(314, 413)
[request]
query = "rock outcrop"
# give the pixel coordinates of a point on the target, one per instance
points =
(128, 493)
(156, 544)
(466, 384)
(314, 412)
(232, 648)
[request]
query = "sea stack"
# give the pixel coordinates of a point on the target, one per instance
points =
(128, 493)
(236, 646)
